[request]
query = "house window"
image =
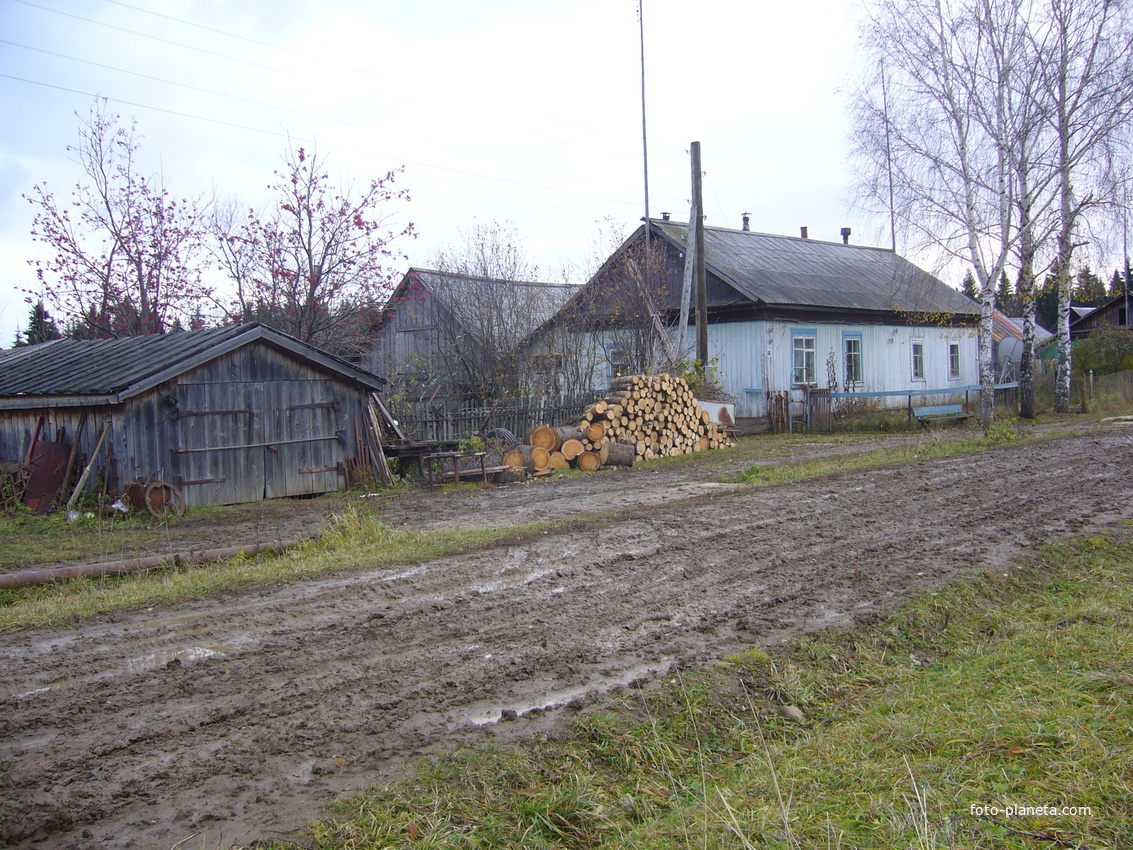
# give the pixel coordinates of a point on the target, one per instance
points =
(853, 350)
(619, 362)
(953, 360)
(803, 357)
(918, 361)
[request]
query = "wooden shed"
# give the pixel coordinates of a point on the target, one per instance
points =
(234, 414)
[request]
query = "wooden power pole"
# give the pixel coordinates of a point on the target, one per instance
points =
(698, 246)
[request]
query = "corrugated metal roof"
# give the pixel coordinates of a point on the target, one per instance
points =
(787, 270)
(110, 367)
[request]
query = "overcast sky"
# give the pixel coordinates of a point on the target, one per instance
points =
(512, 110)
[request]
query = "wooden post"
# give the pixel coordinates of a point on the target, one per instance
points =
(701, 282)
(90, 465)
(70, 459)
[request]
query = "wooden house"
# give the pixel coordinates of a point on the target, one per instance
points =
(1114, 312)
(785, 315)
(234, 414)
(445, 334)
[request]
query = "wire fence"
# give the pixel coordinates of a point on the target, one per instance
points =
(449, 420)
(1118, 386)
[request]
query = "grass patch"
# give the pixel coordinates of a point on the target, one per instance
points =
(993, 692)
(931, 447)
(355, 540)
(26, 539)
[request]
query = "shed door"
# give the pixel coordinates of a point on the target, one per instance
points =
(219, 435)
(305, 436)
(243, 441)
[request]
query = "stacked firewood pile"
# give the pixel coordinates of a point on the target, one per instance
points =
(642, 417)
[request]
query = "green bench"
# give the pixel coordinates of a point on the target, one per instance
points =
(940, 413)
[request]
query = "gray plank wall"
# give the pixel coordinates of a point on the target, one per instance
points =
(252, 424)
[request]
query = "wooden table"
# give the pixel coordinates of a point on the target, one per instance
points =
(432, 479)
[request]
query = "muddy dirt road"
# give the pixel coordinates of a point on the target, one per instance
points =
(231, 719)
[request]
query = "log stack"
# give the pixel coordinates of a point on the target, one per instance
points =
(642, 417)
(657, 414)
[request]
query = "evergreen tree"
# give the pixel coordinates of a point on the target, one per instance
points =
(1089, 291)
(41, 327)
(1116, 284)
(1046, 304)
(968, 287)
(1003, 293)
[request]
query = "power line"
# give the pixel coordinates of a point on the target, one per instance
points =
(167, 82)
(142, 34)
(282, 135)
(237, 98)
(304, 54)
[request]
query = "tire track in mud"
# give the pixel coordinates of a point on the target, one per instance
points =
(235, 718)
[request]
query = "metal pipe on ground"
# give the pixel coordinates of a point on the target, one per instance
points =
(31, 578)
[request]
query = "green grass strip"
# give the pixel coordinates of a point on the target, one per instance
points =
(355, 541)
(791, 472)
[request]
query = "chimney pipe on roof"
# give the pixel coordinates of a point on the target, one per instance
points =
(664, 216)
(747, 221)
(802, 232)
(845, 236)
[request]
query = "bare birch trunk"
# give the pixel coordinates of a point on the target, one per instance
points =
(987, 366)
(1027, 361)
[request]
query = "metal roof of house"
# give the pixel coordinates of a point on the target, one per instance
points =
(793, 271)
(116, 369)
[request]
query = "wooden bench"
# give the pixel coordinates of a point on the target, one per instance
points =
(455, 475)
(940, 413)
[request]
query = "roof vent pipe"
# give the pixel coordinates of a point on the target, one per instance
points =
(802, 232)
(845, 236)
(664, 216)
(747, 221)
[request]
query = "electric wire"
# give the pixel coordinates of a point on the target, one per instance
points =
(287, 136)
(259, 103)
(303, 54)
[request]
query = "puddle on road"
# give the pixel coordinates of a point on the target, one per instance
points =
(185, 656)
(503, 583)
(143, 664)
(488, 712)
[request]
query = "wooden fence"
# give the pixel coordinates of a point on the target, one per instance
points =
(454, 419)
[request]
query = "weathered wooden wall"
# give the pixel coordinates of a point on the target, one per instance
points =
(409, 340)
(250, 425)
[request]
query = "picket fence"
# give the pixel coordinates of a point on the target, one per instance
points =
(454, 419)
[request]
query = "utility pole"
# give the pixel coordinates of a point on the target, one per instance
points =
(697, 228)
(888, 160)
(644, 139)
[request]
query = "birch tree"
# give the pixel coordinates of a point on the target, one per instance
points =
(1085, 48)
(1002, 120)
(933, 127)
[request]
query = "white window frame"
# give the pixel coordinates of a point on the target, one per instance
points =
(849, 357)
(918, 360)
(804, 358)
(954, 367)
(618, 361)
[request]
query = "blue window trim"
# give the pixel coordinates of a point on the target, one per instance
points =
(811, 333)
(861, 352)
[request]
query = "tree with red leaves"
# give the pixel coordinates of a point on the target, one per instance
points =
(124, 252)
(318, 266)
